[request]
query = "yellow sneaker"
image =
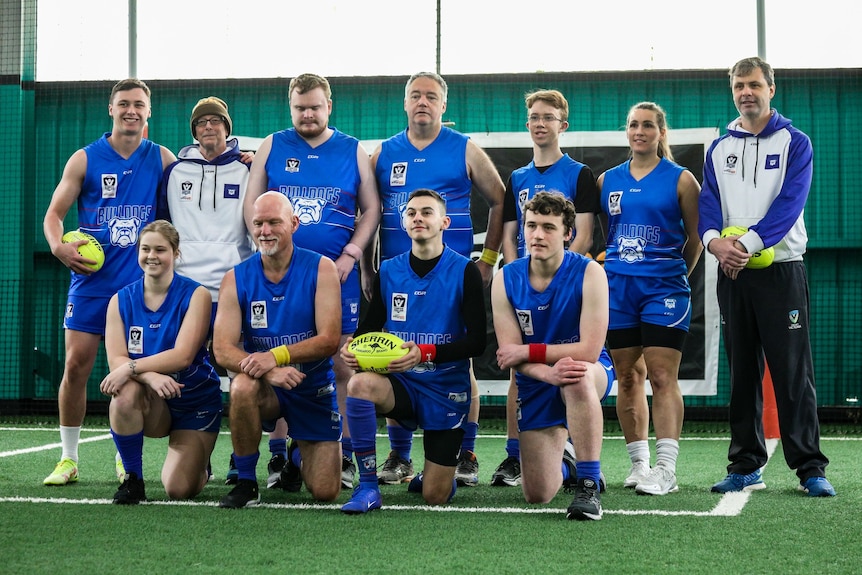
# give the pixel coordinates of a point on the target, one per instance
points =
(65, 472)
(120, 468)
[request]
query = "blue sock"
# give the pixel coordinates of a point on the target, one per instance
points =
(278, 447)
(566, 473)
(246, 465)
(295, 455)
(347, 447)
(471, 429)
(513, 448)
(362, 419)
(400, 439)
(588, 470)
(131, 449)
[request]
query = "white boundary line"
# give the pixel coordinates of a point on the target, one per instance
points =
(730, 504)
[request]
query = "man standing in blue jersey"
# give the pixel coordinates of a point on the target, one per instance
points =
(114, 182)
(551, 319)
(758, 176)
(550, 169)
(431, 156)
(277, 329)
(432, 298)
(327, 176)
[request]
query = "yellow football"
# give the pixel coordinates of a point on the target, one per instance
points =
(92, 250)
(758, 260)
(375, 349)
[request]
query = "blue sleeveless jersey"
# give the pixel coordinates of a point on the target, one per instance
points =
(282, 313)
(414, 307)
(442, 167)
(117, 199)
(645, 229)
(322, 183)
(527, 181)
(554, 315)
(150, 332)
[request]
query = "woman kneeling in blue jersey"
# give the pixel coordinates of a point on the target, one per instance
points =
(161, 383)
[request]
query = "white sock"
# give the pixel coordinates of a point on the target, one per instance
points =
(666, 453)
(69, 437)
(638, 451)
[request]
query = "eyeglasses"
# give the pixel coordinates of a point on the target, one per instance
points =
(217, 121)
(546, 119)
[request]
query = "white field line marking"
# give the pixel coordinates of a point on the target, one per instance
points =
(51, 446)
(731, 504)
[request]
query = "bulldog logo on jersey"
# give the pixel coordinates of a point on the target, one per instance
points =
(398, 174)
(258, 315)
(109, 185)
(525, 320)
(135, 342)
(308, 210)
(631, 250)
(186, 191)
(399, 307)
(730, 164)
(614, 203)
(124, 231)
(291, 165)
(772, 162)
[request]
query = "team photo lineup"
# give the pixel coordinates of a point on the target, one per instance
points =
(334, 285)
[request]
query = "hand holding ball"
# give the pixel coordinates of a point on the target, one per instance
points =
(375, 349)
(92, 250)
(758, 260)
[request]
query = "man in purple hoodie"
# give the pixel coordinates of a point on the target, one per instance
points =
(757, 176)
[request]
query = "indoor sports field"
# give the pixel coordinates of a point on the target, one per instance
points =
(485, 529)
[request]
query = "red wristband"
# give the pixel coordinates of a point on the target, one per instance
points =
(538, 352)
(428, 351)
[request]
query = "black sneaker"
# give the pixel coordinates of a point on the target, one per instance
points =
(232, 473)
(131, 492)
(274, 467)
(291, 475)
(572, 482)
(395, 470)
(245, 494)
(508, 473)
(587, 503)
(467, 470)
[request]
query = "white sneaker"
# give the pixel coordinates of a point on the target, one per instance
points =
(638, 472)
(660, 481)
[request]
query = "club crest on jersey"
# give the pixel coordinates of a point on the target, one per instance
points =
(186, 191)
(231, 191)
(258, 315)
(109, 185)
(730, 164)
(124, 231)
(525, 320)
(291, 165)
(136, 339)
(308, 210)
(631, 250)
(523, 196)
(398, 307)
(401, 209)
(398, 174)
(614, 201)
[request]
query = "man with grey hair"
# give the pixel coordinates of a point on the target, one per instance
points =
(757, 177)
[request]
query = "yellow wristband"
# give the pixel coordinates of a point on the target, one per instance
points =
(282, 356)
(489, 257)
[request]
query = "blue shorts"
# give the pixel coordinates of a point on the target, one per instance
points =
(350, 303)
(311, 411)
(203, 419)
(433, 409)
(85, 313)
(541, 405)
(665, 302)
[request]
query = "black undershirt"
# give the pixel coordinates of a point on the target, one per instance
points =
(472, 310)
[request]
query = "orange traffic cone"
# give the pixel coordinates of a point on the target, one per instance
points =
(771, 429)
